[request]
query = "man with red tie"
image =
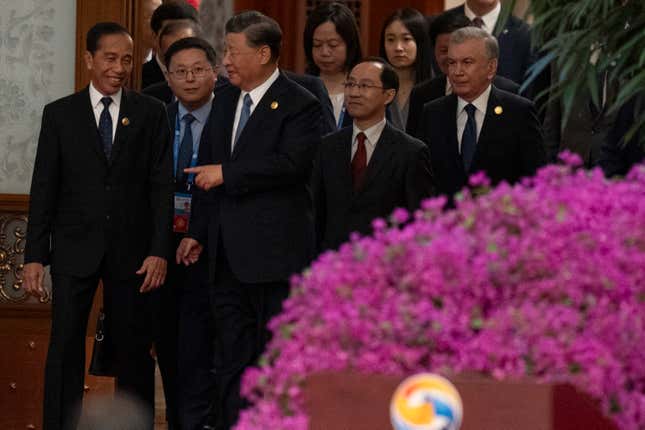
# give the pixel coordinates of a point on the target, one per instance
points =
(367, 170)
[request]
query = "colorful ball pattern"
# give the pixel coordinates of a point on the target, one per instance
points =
(426, 402)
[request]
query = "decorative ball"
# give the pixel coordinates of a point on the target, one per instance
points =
(426, 402)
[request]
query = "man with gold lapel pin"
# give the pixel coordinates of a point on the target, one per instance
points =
(479, 127)
(100, 209)
(253, 210)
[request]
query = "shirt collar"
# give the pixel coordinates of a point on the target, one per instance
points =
(96, 96)
(481, 102)
(490, 19)
(258, 92)
(373, 133)
(200, 114)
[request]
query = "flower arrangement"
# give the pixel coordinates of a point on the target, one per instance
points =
(543, 279)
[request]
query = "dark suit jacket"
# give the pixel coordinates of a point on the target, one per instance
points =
(436, 88)
(509, 145)
(515, 53)
(151, 73)
(85, 210)
(617, 156)
(315, 86)
(398, 175)
(162, 92)
(263, 213)
(585, 130)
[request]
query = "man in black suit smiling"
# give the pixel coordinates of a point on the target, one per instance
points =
(479, 127)
(100, 209)
(366, 171)
(254, 209)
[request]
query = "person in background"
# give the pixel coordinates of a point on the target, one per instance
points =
(332, 47)
(618, 154)
(367, 170)
(513, 36)
(588, 125)
(440, 30)
(406, 46)
(192, 73)
(173, 10)
(479, 127)
(148, 39)
(169, 34)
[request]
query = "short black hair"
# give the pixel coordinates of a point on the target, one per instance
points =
(174, 27)
(417, 25)
(344, 21)
(259, 30)
(191, 43)
(99, 30)
(176, 9)
(446, 23)
(389, 78)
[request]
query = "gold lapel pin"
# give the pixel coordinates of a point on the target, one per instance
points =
(274, 105)
(498, 110)
(125, 121)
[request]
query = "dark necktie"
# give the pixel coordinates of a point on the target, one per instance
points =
(469, 138)
(244, 116)
(478, 22)
(359, 162)
(185, 149)
(105, 127)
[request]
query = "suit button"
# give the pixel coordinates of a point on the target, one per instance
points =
(107, 217)
(108, 188)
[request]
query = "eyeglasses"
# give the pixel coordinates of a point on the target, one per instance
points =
(198, 72)
(361, 87)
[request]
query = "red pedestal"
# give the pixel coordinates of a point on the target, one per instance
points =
(352, 401)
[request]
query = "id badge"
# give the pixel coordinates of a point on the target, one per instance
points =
(182, 212)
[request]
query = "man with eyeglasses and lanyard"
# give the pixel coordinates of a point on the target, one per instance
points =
(367, 170)
(184, 345)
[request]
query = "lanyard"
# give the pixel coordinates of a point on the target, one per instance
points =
(175, 152)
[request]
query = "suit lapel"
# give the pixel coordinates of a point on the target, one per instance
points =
(438, 88)
(342, 162)
(221, 123)
(452, 140)
(86, 110)
(266, 110)
(380, 157)
(489, 127)
(124, 123)
(172, 109)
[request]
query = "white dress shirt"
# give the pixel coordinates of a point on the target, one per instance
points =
(97, 106)
(256, 95)
(372, 134)
(490, 19)
(481, 103)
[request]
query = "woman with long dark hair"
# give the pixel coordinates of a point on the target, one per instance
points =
(332, 48)
(405, 44)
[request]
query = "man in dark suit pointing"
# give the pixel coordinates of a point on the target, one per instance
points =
(479, 127)
(100, 209)
(255, 212)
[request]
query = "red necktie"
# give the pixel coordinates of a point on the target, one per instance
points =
(359, 162)
(478, 22)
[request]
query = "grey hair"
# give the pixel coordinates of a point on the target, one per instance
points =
(469, 33)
